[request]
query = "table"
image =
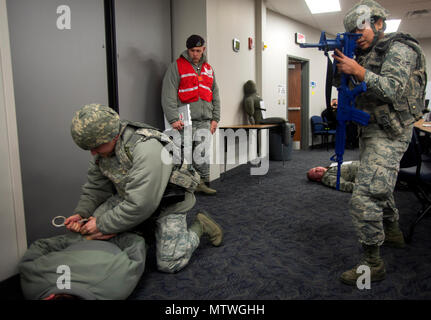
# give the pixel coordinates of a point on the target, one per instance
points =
(420, 125)
(250, 126)
(426, 200)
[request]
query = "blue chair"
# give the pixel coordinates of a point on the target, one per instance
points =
(417, 174)
(320, 128)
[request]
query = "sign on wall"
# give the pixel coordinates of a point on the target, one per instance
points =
(299, 38)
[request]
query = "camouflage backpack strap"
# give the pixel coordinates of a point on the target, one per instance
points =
(418, 79)
(138, 125)
(150, 133)
(183, 174)
(186, 176)
(122, 149)
(410, 108)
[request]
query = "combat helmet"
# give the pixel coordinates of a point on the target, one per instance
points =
(365, 10)
(94, 125)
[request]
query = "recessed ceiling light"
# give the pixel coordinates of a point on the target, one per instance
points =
(320, 6)
(392, 25)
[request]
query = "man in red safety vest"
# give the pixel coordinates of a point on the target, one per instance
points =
(191, 80)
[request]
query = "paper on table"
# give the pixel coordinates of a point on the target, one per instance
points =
(262, 106)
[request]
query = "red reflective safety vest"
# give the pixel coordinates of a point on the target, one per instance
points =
(193, 86)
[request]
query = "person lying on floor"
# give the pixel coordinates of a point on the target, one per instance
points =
(74, 267)
(328, 175)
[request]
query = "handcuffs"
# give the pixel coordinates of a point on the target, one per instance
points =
(58, 225)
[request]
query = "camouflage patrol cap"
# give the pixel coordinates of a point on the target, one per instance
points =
(364, 10)
(94, 125)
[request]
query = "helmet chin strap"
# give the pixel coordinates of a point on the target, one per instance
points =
(377, 33)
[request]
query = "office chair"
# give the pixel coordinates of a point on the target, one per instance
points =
(417, 174)
(320, 128)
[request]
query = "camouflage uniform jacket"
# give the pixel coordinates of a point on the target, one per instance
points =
(136, 173)
(347, 177)
(392, 85)
(200, 110)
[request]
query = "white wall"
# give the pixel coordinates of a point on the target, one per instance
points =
(227, 20)
(280, 40)
(426, 46)
(13, 242)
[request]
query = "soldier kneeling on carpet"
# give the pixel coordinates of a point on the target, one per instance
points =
(127, 179)
(128, 184)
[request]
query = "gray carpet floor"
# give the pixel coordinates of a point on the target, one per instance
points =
(288, 238)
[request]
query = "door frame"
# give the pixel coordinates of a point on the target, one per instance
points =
(12, 183)
(305, 97)
(111, 54)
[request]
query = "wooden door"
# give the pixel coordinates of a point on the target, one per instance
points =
(294, 97)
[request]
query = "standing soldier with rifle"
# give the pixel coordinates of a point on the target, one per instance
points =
(393, 68)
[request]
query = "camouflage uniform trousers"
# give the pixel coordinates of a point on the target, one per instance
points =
(347, 176)
(175, 244)
(201, 162)
(372, 199)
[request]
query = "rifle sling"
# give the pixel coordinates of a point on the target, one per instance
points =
(329, 79)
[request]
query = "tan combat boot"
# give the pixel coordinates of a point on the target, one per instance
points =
(204, 224)
(394, 237)
(371, 259)
(202, 187)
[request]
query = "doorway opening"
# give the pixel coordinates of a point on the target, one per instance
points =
(297, 97)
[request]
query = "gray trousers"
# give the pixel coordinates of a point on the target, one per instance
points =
(197, 145)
